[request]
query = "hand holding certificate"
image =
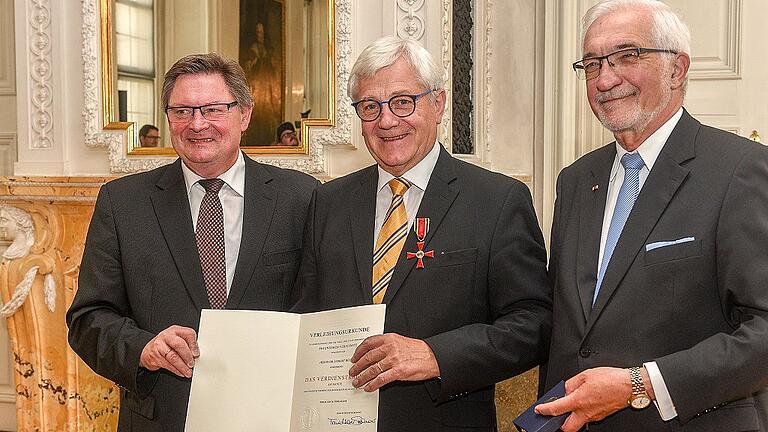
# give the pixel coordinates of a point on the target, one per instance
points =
(275, 371)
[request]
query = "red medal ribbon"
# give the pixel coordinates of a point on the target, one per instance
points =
(422, 228)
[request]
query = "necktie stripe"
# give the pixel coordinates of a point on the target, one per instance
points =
(383, 282)
(396, 201)
(388, 230)
(390, 241)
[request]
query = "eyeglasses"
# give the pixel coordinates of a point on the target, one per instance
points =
(589, 68)
(152, 137)
(401, 105)
(211, 112)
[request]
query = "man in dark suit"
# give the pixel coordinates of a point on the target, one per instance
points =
(658, 247)
(462, 271)
(213, 229)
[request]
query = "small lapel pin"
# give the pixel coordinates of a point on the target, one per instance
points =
(595, 187)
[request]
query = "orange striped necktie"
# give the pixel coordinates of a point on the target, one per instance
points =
(391, 239)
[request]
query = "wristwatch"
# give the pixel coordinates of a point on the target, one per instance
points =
(640, 398)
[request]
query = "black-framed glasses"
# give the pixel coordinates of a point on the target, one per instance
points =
(210, 112)
(400, 105)
(589, 68)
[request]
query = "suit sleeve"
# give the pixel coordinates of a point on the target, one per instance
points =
(520, 305)
(101, 330)
(306, 292)
(695, 376)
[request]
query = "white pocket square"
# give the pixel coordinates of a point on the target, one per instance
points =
(661, 244)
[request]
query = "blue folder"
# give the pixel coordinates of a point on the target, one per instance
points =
(530, 421)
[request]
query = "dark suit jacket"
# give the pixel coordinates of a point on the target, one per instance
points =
(483, 304)
(141, 274)
(699, 309)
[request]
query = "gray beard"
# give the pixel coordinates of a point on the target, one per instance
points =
(637, 120)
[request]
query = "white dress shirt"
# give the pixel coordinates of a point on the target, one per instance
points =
(418, 176)
(649, 150)
(231, 197)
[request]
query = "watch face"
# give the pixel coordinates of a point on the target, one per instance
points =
(641, 401)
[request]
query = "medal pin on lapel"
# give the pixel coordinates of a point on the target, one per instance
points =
(421, 226)
(595, 187)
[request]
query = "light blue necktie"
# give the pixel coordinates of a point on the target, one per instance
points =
(628, 193)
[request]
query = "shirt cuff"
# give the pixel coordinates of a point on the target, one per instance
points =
(663, 400)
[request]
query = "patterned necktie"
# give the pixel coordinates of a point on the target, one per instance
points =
(210, 243)
(628, 193)
(391, 239)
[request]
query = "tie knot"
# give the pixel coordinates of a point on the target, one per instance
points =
(399, 186)
(212, 185)
(632, 161)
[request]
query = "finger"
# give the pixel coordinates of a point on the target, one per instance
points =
(152, 354)
(366, 345)
(368, 374)
(190, 337)
(574, 383)
(177, 365)
(573, 423)
(381, 380)
(182, 349)
(555, 408)
(368, 359)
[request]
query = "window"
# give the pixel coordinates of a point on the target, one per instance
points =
(135, 53)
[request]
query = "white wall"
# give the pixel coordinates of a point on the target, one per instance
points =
(7, 89)
(7, 158)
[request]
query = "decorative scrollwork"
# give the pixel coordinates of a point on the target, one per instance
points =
(41, 74)
(17, 227)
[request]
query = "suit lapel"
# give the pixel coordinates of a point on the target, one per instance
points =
(660, 187)
(438, 198)
(258, 210)
(171, 206)
(590, 225)
(362, 214)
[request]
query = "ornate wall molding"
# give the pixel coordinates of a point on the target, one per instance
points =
(482, 100)
(483, 124)
(340, 134)
(463, 64)
(41, 72)
(410, 19)
(94, 136)
(446, 45)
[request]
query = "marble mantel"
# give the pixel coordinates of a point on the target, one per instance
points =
(45, 219)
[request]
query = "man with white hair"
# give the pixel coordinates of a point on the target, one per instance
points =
(453, 250)
(658, 251)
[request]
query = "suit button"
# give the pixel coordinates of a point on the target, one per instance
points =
(585, 352)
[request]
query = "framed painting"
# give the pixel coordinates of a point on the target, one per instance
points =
(262, 56)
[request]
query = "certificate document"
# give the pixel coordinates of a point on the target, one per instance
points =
(282, 372)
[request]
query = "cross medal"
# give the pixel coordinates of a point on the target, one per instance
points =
(422, 228)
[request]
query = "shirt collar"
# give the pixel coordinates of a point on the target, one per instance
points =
(418, 175)
(651, 148)
(234, 177)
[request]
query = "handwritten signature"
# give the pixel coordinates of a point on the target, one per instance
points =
(354, 421)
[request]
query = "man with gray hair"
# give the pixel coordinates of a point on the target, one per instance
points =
(212, 230)
(453, 250)
(658, 247)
